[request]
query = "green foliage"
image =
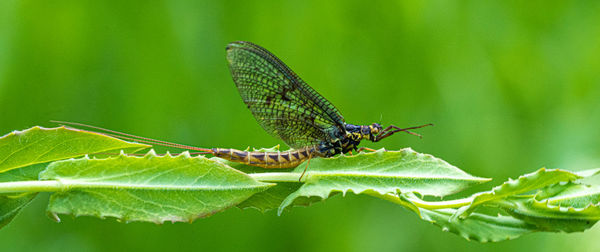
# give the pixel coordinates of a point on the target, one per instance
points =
(150, 188)
(158, 188)
(30, 148)
(569, 194)
(525, 183)
(11, 204)
(552, 218)
(478, 227)
(512, 86)
(382, 172)
(40, 145)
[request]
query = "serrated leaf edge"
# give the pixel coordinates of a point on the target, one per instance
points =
(465, 211)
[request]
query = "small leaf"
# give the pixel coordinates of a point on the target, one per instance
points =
(40, 145)
(566, 207)
(11, 204)
(528, 182)
(570, 195)
(150, 188)
(551, 218)
(478, 227)
(382, 172)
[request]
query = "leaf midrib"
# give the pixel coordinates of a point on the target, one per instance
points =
(82, 184)
(381, 175)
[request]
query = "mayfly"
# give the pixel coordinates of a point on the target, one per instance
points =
(287, 108)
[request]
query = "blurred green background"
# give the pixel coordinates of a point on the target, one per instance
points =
(510, 85)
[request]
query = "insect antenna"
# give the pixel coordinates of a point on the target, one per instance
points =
(130, 137)
(388, 131)
(397, 129)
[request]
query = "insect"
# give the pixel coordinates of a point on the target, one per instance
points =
(287, 108)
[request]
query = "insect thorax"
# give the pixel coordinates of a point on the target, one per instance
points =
(345, 141)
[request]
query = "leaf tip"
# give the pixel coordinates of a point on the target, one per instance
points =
(54, 216)
(483, 180)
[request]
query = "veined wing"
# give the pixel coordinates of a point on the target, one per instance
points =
(282, 103)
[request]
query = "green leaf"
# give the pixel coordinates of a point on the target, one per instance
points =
(528, 182)
(551, 218)
(23, 174)
(11, 204)
(381, 172)
(570, 195)
(40, 145)
(566, 207)
(478, 227)
(150, 188)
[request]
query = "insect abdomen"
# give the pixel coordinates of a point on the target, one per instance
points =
(269, 160)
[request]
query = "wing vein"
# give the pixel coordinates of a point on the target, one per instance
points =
(282, 103)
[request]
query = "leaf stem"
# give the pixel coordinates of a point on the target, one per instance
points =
(277, 176)
(431, 205)
(56, 186)
(394, 199)
(31, 186)
(404, 200)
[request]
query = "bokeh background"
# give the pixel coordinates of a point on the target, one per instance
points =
(511, 86)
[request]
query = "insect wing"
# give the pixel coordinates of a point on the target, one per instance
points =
(283, 104)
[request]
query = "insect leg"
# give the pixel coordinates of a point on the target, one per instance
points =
(361, 149)
(305, 168)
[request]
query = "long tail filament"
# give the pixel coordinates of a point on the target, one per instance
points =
(130, 137)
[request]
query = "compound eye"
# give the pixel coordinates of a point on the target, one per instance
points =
(375, 128)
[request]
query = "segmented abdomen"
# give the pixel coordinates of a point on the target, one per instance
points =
(269, 160)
